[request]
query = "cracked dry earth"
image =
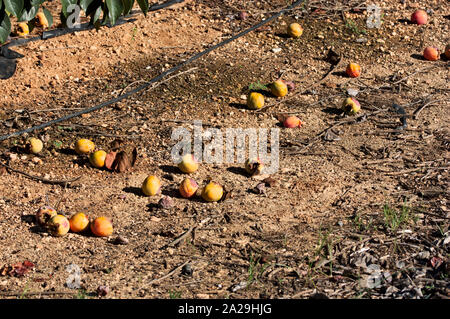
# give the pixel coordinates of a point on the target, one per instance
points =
(357, 209)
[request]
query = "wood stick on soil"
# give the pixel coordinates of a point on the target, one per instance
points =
(35, 293)
(43, 180)
(169, 274)
(417, 112)
(159, 83)
(181, 237)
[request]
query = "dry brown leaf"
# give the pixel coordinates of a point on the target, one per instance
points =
(122, 162)
(133, 157)
(109, 160)
(116, 144)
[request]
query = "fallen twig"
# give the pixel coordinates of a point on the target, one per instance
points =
(181, 237)
(417, 112)
(43, 180)
(34, 293)
(169, 274)
(158, 83)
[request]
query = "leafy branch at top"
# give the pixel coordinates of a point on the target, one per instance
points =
(100, 12)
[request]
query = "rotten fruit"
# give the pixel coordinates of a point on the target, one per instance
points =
(253, 166)
(351, 106)
(44, 214)
(447, 51)
(188, 187)
(42, 20)
(58, 225)
(22, 29)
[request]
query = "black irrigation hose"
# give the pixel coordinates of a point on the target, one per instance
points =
(155, 79)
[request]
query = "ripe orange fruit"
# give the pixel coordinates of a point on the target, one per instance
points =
(34, 145)
(419, 17)
(102, 226)
(188, 164)
(151, 186)
(278, 88)
(292, 121)
(212, 192)
(78, 222)
(84, 146)
(255, 101)
(431, 53)
(42, 19)
(22, 29)
(353, 70)
(294, 30)
(97, 159)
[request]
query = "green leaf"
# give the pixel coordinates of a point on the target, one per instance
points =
(5, 26)
(84, 4)
(14, 7)
(27, 15)
(49, 16)
(115, 8)
(127, 5)
(36, 3)
(65, 5)
(143, 4)
(90, 6)
(104, 19)
(95, 15)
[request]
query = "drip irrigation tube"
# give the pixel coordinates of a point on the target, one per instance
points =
(155, 79)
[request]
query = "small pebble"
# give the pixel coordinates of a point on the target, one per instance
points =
(166, 203)
(187, 270)
(352, 92)
(260, 188)
(276, 50)
(243, 15)
(120, 240)
(102, 291)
